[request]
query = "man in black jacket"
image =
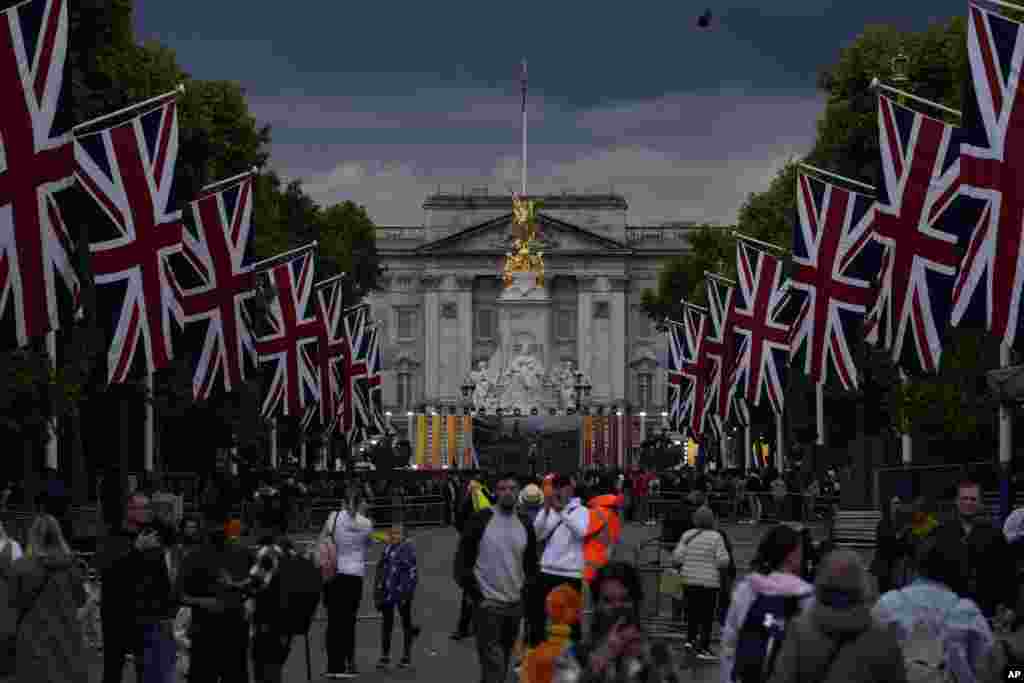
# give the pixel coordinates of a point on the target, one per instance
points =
(986, 575)
(496, 561)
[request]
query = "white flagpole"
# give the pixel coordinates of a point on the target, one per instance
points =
(819, 395)
(302, 451)
(747, 443)
(1005, 416)
(273, 443)
(524, 128)
(780, 444)
(52, 444)
(906, 440)
(148, 426)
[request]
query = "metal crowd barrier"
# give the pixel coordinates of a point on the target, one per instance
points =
(794, 507)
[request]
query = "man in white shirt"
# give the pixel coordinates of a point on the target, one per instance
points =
(351, 529)
(561, 527)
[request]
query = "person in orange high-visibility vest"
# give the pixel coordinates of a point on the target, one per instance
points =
(603, 532)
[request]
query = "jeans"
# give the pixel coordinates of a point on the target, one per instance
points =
(537, 617)
(465, 615)
(387, 626)
(159, 653)
(701, 610)
(497, 627)
(344, 594)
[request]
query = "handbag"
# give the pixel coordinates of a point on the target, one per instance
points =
(672, 581)
(328, 553)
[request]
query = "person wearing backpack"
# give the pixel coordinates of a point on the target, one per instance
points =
(774, 588)
(701, 556)
(836, 640)
(944, 637)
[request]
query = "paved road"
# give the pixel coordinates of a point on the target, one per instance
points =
(436, 658)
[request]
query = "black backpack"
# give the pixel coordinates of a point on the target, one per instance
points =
(759, 644)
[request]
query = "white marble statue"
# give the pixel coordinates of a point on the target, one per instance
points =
(523, 379)
(481, 385)
(566, 382)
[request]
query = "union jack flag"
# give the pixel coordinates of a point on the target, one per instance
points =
(762, 338)
(920, 182)
(696, 370)
(833, 259)
(721, 349)
(354, 367)
(987, 289)
(36, 162)
(333, 347)
(128, 169)
(677, 345)
(289, 346)
(216, 254)
(368, 405)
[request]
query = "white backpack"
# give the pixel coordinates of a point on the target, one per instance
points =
(924, 653)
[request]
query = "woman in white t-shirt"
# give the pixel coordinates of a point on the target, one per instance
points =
(351, 529)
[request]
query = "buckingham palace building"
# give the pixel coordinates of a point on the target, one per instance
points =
(450, 321)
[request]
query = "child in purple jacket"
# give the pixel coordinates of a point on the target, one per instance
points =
(395, 587)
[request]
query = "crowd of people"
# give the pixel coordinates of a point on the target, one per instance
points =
(940, 600)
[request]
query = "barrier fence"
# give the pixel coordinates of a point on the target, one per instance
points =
(767, 507)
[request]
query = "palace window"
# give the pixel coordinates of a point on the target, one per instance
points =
(404, 387)
(406, 323)
(643, 390)
(565, 324)
(486, 324)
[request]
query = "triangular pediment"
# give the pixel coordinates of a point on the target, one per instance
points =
(498, 234)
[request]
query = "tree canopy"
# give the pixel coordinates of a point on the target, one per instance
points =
(954, 402)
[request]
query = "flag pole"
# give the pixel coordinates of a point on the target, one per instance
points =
(273, 443)
(1005, 439)
(52, 444)
(819, 396)
(906, 440)
(148, 425)
(524, 128)
(780, 455)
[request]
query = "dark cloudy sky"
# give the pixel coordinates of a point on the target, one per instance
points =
(381, 102)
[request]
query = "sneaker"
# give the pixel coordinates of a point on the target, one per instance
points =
(349, 672)
(333, 675)
(405, 663)
(706, 655)
(459, 635)
(383, 663)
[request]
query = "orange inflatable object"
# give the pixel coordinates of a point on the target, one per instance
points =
(604, 530)
(548, 486)
(564, 606)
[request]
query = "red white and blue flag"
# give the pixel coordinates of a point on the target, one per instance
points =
(720, 345)
(128, 169)
(288, 345)
(762, 337)
(916, 225)
(332, 348)
(834, 258)
(677, 345)
(696, 371)
(987, 289)
(354, 368)
(36, 162)
(223, 283)
(368, 406)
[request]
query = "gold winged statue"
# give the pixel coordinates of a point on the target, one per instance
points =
(521, 259)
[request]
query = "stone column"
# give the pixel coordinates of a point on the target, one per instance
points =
(431, 326)
(618, 341)
(584, 311)
(464, 300)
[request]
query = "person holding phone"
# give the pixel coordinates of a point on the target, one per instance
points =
(618, 647)
(561, 527)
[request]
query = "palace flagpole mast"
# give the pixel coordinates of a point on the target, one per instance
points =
(523, 79)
